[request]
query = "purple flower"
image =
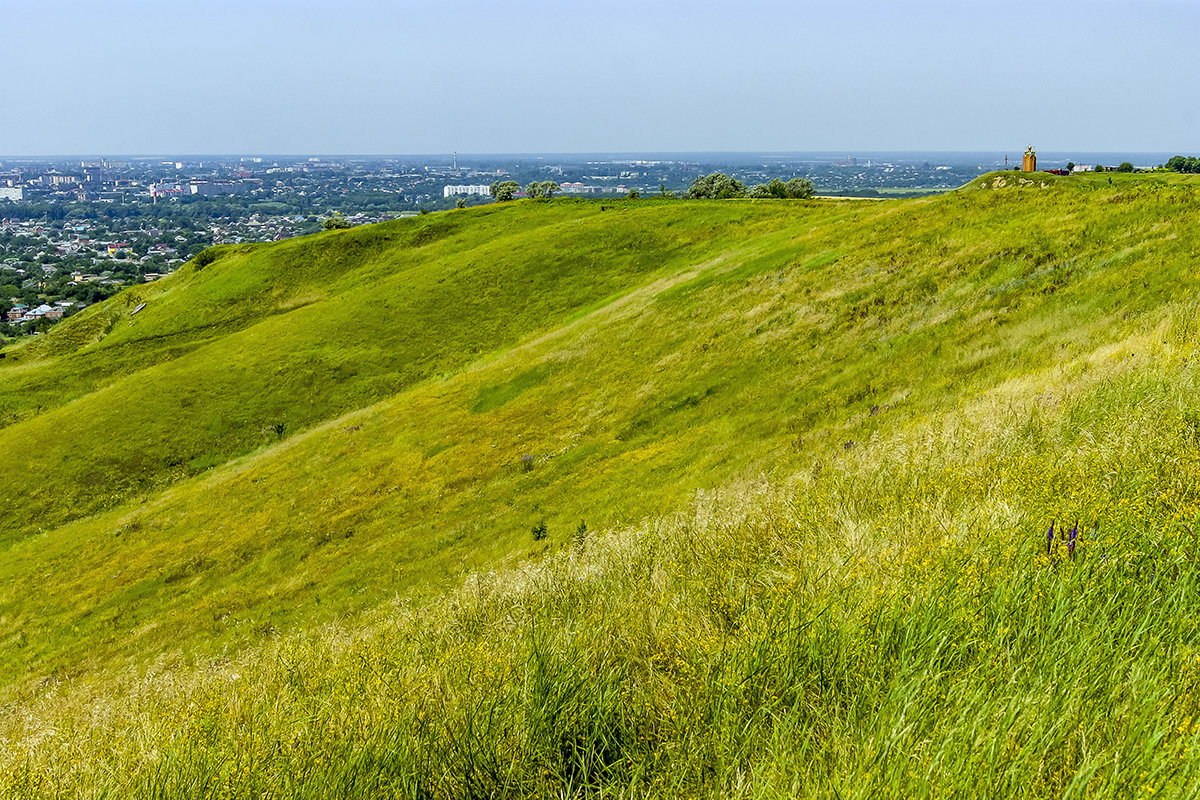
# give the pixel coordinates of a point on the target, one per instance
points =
(1071, 539)
(1050, 539)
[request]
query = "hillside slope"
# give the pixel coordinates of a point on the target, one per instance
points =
(541, 361)
(272, 340)
(926, 384)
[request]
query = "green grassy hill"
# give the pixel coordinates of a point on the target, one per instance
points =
(795, 462)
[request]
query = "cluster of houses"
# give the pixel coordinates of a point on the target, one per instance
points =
(21, 313)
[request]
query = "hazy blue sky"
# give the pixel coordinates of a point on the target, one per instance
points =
(366, 76)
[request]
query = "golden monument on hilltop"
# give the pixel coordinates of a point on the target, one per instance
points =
(1029, 163)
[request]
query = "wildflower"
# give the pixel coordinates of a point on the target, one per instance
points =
(1050, 539)
(1071, 539)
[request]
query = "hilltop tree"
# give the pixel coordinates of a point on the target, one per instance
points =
(1183, 164)
(504, 190)
(1125, 166)
(795, 189)
(539, 189)
(717, 186)
(799, 188)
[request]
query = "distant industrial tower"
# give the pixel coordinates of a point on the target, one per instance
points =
(1029, 163)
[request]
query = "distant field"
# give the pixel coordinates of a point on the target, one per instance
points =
(795, 463)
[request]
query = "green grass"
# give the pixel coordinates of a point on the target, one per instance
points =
(815, 445)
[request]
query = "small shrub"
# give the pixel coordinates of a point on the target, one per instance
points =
(539, 530)
(205, 257)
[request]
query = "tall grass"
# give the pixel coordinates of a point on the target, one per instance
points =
(871, 415)
(886, 623)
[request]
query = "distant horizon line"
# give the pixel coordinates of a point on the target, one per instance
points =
(551, 154)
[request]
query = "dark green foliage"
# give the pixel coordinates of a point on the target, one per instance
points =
(337, 222)
(717, 186)
(1183, 164)
(1125, 166)
(541, 189)
(504, 190)
(539, 530)
(795, 189)
(205, 257)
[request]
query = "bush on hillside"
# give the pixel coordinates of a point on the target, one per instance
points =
(795, 189)
(205, 257)
(544, 189)
(717, 186)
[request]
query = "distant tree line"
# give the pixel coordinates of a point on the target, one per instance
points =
(1184, 164)
(188, 210)
(507, 190)
(719, 186)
